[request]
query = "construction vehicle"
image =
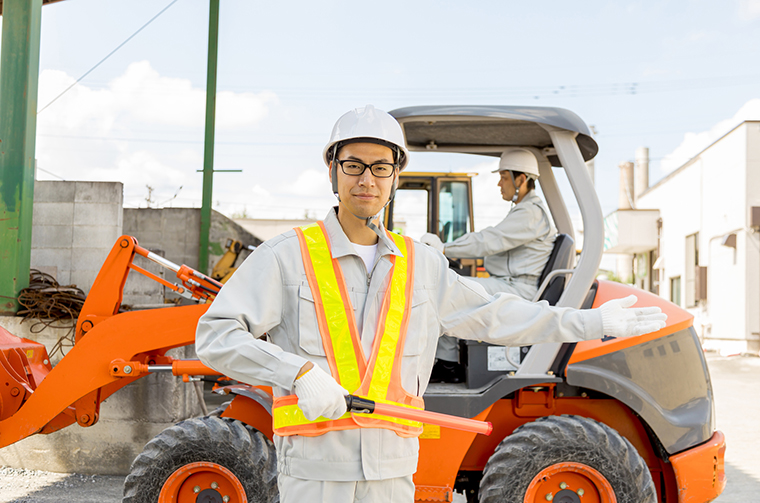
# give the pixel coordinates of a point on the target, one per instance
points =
(610, 420)
(225, 266)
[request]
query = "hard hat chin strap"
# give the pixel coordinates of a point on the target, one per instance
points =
(517, 189)
(334, 171)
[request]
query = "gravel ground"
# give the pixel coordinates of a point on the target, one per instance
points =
(735, 382)
(34, 486)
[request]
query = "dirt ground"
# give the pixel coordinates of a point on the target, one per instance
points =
(735, 381)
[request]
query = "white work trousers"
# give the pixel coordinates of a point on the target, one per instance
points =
(294, 490)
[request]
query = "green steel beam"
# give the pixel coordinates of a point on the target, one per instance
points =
(208, 155)
(19, 72)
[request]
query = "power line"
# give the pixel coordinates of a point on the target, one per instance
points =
(50, 173)
(108, 56)
(631, 88)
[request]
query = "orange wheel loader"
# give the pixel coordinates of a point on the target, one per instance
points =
(611, 420)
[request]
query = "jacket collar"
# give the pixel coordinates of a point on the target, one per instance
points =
(530, 197)
(340, 244)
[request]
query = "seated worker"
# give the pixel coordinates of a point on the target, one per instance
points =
(515, 251)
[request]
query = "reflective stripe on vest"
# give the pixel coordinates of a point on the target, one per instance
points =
(377, 380)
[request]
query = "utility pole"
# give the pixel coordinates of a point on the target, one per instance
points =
(19, 72)
(208, 154)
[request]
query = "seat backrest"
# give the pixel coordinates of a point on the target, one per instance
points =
(561, 257)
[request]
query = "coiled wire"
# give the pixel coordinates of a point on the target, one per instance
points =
(53, 306)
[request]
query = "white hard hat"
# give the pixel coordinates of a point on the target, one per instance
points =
(520, 160)
(371, 124)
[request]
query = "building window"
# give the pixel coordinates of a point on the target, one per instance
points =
(690, 268)
(654, 273)
(675, 290)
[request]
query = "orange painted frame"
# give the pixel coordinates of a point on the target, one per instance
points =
(700, 471)
(678, 319)
(73, 389)
(502, 415)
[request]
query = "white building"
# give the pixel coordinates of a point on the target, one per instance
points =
(706, 252)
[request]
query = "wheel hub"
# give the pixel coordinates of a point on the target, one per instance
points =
(569, 482)
(209, 496)
(566, 496)
(202, 482)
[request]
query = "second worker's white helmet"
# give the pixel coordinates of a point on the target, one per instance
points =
(520, 160)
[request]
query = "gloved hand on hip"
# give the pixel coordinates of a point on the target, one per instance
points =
(620, 320)
(432, 241)
(320, 395)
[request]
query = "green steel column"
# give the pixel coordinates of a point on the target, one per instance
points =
(208, 156)
(19, 71)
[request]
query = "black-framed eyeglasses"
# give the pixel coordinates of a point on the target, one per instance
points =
(356, 168)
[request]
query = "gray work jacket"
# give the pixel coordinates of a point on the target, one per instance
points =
(518, 247)
(269, 294)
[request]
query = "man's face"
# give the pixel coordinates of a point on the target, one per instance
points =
(506, 186)
(364, 195)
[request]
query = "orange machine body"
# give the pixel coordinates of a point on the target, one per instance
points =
(114, 349)
(72, 391)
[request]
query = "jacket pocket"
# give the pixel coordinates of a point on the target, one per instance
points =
(309, 338)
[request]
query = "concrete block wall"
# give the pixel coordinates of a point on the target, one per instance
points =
(176, 231)
(173, 230)
(74, 226)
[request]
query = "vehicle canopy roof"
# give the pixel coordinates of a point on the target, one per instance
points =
(487, 130)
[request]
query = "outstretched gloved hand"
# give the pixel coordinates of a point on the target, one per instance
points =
(320, 395)
(620, 320)
(432, 241)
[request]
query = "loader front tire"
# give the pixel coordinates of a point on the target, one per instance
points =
(209, 457)
(566, 459)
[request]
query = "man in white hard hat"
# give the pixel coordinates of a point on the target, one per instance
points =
(347, 306)
(515, 250)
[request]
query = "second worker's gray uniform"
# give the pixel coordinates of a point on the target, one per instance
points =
(269, 294)
(515, 253)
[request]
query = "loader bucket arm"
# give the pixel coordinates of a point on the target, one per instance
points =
(106, 294)
(139, 335)
(75, 387)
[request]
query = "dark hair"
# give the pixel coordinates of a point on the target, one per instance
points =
(531, 181)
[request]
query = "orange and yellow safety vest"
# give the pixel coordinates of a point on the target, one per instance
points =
(380, 378)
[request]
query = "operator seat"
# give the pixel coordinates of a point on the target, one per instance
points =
(561, 257)
(478, 369)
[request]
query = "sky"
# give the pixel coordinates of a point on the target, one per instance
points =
(670, 75)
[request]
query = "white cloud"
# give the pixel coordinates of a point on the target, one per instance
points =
(310, 182)
(142, 168)
(260, 192)
(79, 107)
(85, 134)
(693, 143)
(749, 9)
(146, 95)
(143, 95)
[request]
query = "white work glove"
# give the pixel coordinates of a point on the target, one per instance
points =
(432, 241)
(320, 395)
(619, 320)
